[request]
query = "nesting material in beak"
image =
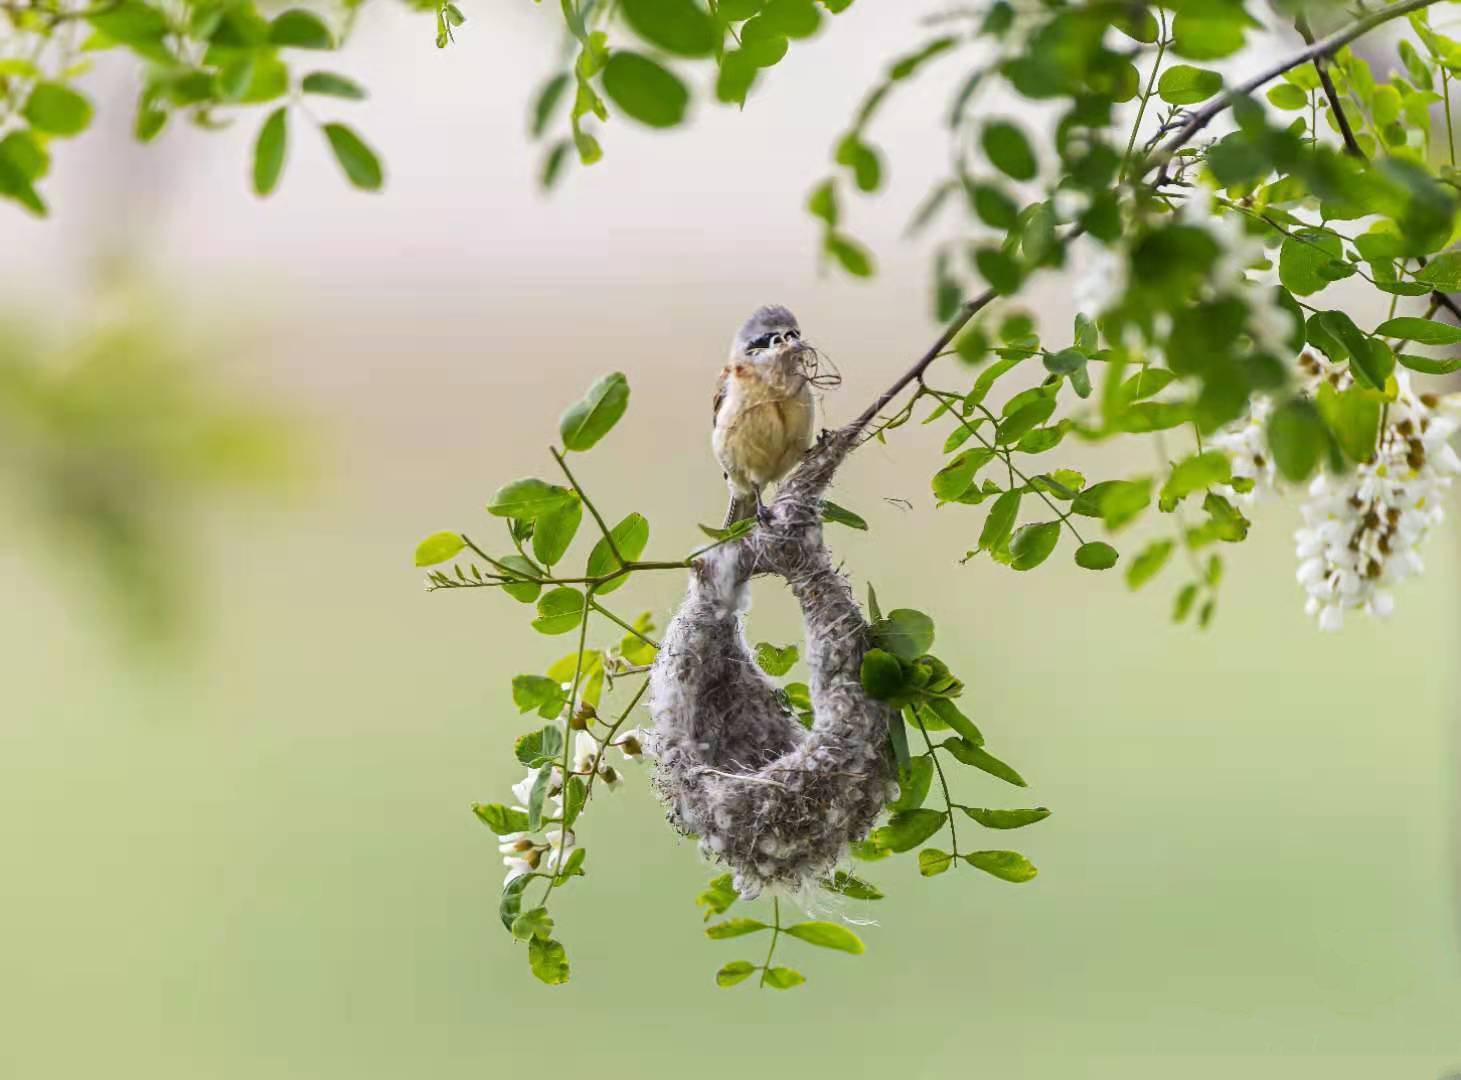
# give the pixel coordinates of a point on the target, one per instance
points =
(817, 369)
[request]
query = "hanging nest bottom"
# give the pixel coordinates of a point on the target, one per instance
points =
(777, 803)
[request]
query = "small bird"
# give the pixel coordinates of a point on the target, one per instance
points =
(764, 409)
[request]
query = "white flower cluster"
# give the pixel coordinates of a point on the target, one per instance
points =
(1245, 441)
(523, 852)
(1362, 532)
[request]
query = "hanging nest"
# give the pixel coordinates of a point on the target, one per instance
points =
(777, 803)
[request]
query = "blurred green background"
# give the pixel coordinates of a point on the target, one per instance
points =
(249, 854)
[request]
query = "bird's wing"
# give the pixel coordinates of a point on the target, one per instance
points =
(719, 395)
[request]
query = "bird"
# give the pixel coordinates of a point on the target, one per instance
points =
(764, 408)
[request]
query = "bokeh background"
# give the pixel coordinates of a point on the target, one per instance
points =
(245, 850)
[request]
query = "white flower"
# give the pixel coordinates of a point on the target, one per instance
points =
(632, 744)
(1101, 279)
(1245, 441)
(560, 846)
(1362, 532)
(516, 867)
(523, 789)
(515, 843)
(610, 776)
(585, 752)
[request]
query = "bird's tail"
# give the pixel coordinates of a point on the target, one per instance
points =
(741, 507)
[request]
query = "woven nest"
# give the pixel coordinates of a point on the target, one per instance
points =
(777, 803)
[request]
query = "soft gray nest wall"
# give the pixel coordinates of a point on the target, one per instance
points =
(775, 802)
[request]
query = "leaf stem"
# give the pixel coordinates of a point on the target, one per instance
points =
(1145, 97)
(942, 782)
(592, 509)
(775, 933)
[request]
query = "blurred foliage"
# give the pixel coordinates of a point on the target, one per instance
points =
(207, 62)
(112, 439)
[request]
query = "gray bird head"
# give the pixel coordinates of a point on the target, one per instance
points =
(767, 331)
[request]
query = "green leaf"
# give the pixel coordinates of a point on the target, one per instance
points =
(1196, 473)
(528, 500)
(1115, 502)
(718, 896)
(531, 692)
(1427, 365)
(734, 928)
(775, 662)
(1208, 32)
(907, 829)
(1006, 865)
(905, 633)
(559, 611)
(361, 166)
(575, 794)
(590, 419)
(269, 156)
(1425, 331)
(539, 747)
(501, 819)
(438, 548)
(852, 256)
(511, 902)
(1001, 521)
(645, 90)
(54, 109)
(548, 960)
(914, 780)
(1008, 150)
(852, 886)
(1302, 257)
(953, 480)
(1353, 417)
(791, 18)
(1287, 96)
(932, 862)
(1096, 555)
(1024, 419)
(555, 530)
(882, 675)
(1032, 544)
(1183, 84)
(1006, 819)
(631, 536)
(1296, 438)
(300, 29)
(734, 972)
(573, 867)
(784, 978)
(538, 795)
(524, 592)
(1146, 565)
(827, 935)
(862, 160)
(1443, 272)
(968, 753)
(532, 924)
(134, 24)
(676, 26)
(840, 515)
(329, 84)
(949, 717)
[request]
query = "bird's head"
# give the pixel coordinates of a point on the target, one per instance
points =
(772, 336)
(768, 333)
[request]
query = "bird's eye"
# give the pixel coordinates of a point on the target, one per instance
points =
(793, 335)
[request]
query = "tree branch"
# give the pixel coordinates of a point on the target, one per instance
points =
(1314, 51)
(1351, 144)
